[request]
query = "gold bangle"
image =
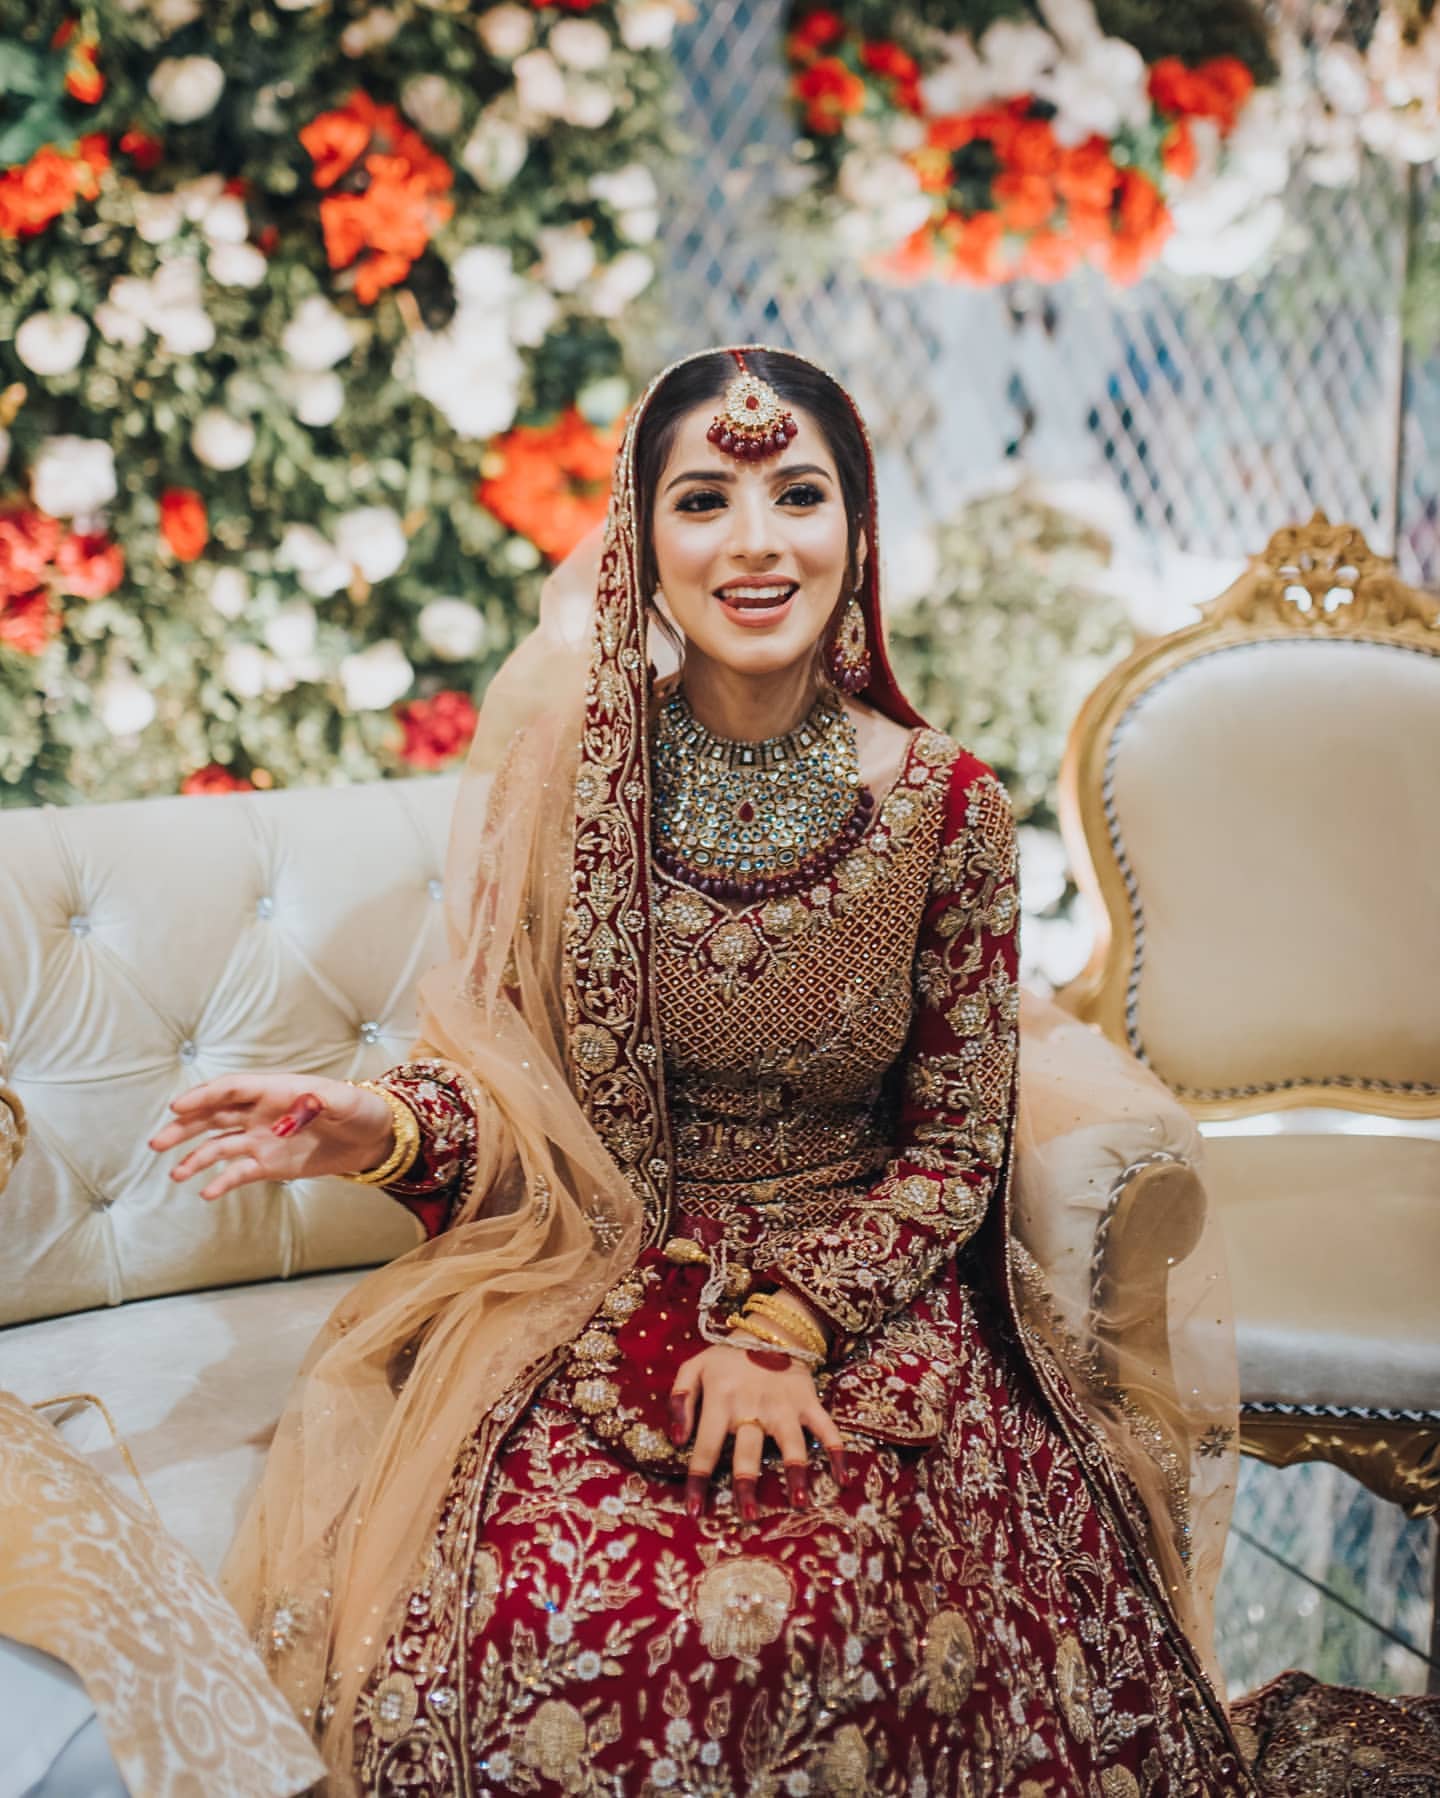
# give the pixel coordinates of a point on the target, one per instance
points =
(763, 1333)
(406, 1128)
(787, 1317)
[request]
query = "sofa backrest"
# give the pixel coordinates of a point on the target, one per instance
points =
(150, 945)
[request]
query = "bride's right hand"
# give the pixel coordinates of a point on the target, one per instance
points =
(236, 1115)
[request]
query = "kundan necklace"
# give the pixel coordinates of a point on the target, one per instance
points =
(748, 820)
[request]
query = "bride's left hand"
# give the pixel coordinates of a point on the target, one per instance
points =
(739, 1398)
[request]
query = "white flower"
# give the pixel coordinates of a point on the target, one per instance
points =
(321, 569)
(224, 220)
(710, 1754)
(453, 628)
(318, 395)
(506, 31)
(171, 15)
(248, 672)
(158, 216)
(185, 88)
(648, 26)
(532, 314)
(198, 194)
(376, 677)
(373, 539)
(483, 275)
(52, 343)
(237, 265)
(184, 330)
(962, 81)
(580, 44)
(1042, 868)
(562, 1552)
(1073, 23)
(495, 151)
(869, 1686)
(678, 1732)
(433, 104)
(885, 189)
(318, 336)
(125, 705)
(222, 441)
(848, 1566)
(1016, 53)
(559, 1628)
(372, 32)
(619, 282)
(797, 1784)
(1101, 91)
(587, 1666)
(622, 190)
(854, 1651)
(117, 325)
(469, 372)
(588, 105)
(540, 85)
(229, 592)
(567, 255)
(664, 1772)
(291, 633)
(72, 475)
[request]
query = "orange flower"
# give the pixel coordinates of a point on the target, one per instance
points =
(976, 244)
(831, 93)
(1086, 176)
(1024, 201)
(885, 58)
(389, 213)
(28, 621)
(90, 565)
(83, 80)
(29, 541)
(1217, 89)
(1142, 224)
(913, 260)
(817, 31)
(1051, 255)
(215, 777)
(1028, 145)
(1178, 151)
(183, 522)
(37, 192)
(436, 729)
(554, 481)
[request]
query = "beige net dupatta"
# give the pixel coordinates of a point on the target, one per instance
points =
(1119, 1275)
(422, 1351)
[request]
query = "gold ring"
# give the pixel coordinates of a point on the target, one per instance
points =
(742, 1422)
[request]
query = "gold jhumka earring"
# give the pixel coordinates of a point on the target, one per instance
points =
(847, 655)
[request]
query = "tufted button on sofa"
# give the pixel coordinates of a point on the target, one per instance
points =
(155, 944)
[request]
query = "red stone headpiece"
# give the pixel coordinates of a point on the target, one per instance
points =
(753, 421)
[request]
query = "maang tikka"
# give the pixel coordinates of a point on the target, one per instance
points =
(753, 421)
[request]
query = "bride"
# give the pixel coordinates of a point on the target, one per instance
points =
(722, 1437)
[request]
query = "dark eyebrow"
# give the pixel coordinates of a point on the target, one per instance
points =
(714, 474)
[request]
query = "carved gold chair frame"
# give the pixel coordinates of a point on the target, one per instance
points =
(1313, 580)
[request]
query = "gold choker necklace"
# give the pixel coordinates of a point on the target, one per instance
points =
(750, 820)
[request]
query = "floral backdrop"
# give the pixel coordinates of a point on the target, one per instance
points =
(311, 361)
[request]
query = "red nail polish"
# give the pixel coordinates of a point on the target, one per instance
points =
(286, 1126)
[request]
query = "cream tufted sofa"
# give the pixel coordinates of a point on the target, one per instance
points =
(154, 944)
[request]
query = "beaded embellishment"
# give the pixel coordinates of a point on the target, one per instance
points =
(753, 421)
(754, 820)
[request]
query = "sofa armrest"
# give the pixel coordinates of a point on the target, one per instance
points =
(12, 1131)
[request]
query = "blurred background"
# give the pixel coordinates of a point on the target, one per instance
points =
(318, 323)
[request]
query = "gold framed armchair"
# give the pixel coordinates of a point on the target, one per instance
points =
(1252, 805)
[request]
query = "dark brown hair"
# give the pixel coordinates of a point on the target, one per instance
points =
(701, 382)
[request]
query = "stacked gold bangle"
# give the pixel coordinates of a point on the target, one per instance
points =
(763, 1311)
(403, 1121)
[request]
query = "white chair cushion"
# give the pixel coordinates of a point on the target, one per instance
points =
(1334, 1243)
(195, 1384)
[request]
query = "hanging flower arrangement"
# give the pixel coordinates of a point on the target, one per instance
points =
(1046, 140)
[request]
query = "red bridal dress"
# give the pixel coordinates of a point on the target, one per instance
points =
(968, 1616)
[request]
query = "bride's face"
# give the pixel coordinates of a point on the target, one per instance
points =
(752, 556)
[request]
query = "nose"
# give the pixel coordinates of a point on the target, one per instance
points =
(753, 539)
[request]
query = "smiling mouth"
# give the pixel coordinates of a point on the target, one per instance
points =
(758, 596)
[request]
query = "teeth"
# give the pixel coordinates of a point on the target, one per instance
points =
(756, 593)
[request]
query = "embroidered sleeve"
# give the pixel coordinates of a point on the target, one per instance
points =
(959, 1080)
(448, 1109)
